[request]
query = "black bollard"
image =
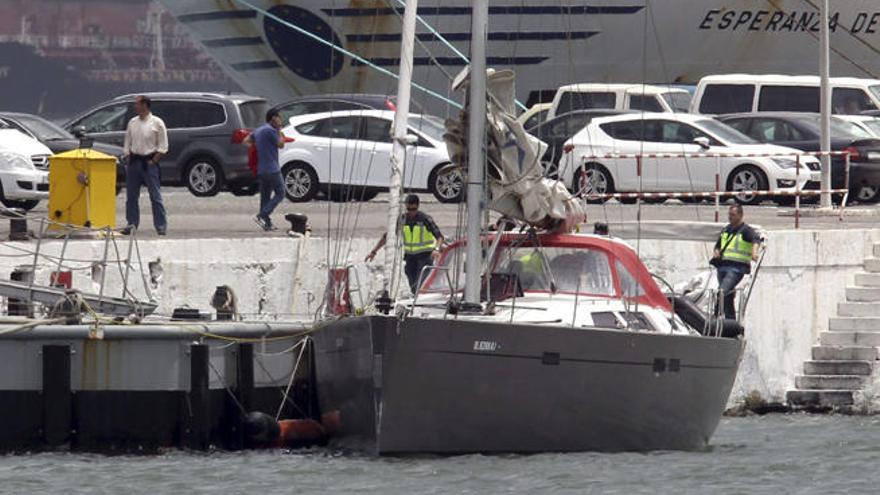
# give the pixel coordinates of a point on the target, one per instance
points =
(17, 307)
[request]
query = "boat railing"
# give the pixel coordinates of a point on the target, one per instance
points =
(422, 277)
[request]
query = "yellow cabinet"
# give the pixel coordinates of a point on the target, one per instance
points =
(82, 188)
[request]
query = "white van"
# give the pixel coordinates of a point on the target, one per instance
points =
(741, 93)
(647, 97)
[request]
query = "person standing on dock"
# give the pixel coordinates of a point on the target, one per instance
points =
(422, 241)
(146, 142)
(736, 248)
(268, 139)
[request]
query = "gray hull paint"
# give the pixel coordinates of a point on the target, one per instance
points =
(420, 386)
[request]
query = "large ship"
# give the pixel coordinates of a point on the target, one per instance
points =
(281, 49)
(59, 57)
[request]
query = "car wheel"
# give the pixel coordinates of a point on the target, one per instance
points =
(868, 194)
(247, 189)
(747, 178)
(204, 177)
(24, 204)
(447, 183)
(300, 182)
(593, 179)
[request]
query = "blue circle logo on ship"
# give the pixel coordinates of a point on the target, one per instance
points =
(306, 57)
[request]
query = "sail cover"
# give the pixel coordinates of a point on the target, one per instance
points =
(517, 186)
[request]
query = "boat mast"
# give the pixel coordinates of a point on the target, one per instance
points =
(476, 151)
(399, 133)
(824, 104)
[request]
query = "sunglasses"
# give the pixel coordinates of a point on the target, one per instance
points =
(412, 208)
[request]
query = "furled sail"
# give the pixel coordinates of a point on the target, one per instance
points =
(517, 186)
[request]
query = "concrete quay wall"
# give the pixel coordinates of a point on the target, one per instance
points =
(803, 278)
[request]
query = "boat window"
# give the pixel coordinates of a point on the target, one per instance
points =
(581, 270)
(727, 98)
(789, 99)
(572, 100)
(629, 285)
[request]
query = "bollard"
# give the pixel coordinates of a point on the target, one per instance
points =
(298, 222)
(17, 307)
(18, 228)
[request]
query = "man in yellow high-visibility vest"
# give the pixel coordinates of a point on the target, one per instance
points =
(736, 248)
(422, 241)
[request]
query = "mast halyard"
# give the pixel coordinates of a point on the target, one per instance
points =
(476, 151)
(399, 134)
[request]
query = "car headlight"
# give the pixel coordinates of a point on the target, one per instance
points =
(784, 162)
(15, 161)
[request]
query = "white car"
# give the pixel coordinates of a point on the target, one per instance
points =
(24, 170)
(677, 133)
(347, 155)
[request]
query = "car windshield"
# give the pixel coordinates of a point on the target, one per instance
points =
(873, 125)
(724, 132)
(680, 102)
(430, 125)
(875, 90)
(839, 128)
(43, 129)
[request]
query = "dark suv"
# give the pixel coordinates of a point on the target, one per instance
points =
(205, 131)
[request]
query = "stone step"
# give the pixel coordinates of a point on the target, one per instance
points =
(868, 279)
(829, 382)
(819, 398)
(833, 353)
(854, 324)
(872, 265)
(858, 309)
(837, 367)
(869, 339)
(863, 294)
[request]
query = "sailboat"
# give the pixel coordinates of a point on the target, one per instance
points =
(555, 342)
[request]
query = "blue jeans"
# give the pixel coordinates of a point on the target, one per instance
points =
(271, 193)
(728, 278)
(139, 172)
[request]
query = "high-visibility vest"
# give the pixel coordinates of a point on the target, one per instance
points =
(738, 249)
(532, 262)
(417, 239)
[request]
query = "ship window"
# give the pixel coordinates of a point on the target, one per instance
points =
(581, 270)
(789, 99)
(727, 98)
(629, 286)
(576, 100)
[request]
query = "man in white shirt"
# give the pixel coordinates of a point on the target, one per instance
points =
(146, 142)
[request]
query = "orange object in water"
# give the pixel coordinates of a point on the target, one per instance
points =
(300, 433)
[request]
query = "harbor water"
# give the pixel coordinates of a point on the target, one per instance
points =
(776, 454)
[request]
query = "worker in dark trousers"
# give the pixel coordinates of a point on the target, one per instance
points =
(736, 248)
(146, 142)
(422, 241)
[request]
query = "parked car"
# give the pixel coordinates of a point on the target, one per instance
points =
(645, 97)
(801, 131)
(58, 140)
(556, 131)
(305, 105)
(740, 93)
(679, 133)
(205, 131)
(24, 169)
(868, 123)
(534, 115)
(348, 154)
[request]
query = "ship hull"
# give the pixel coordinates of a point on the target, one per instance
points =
(456, 386)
